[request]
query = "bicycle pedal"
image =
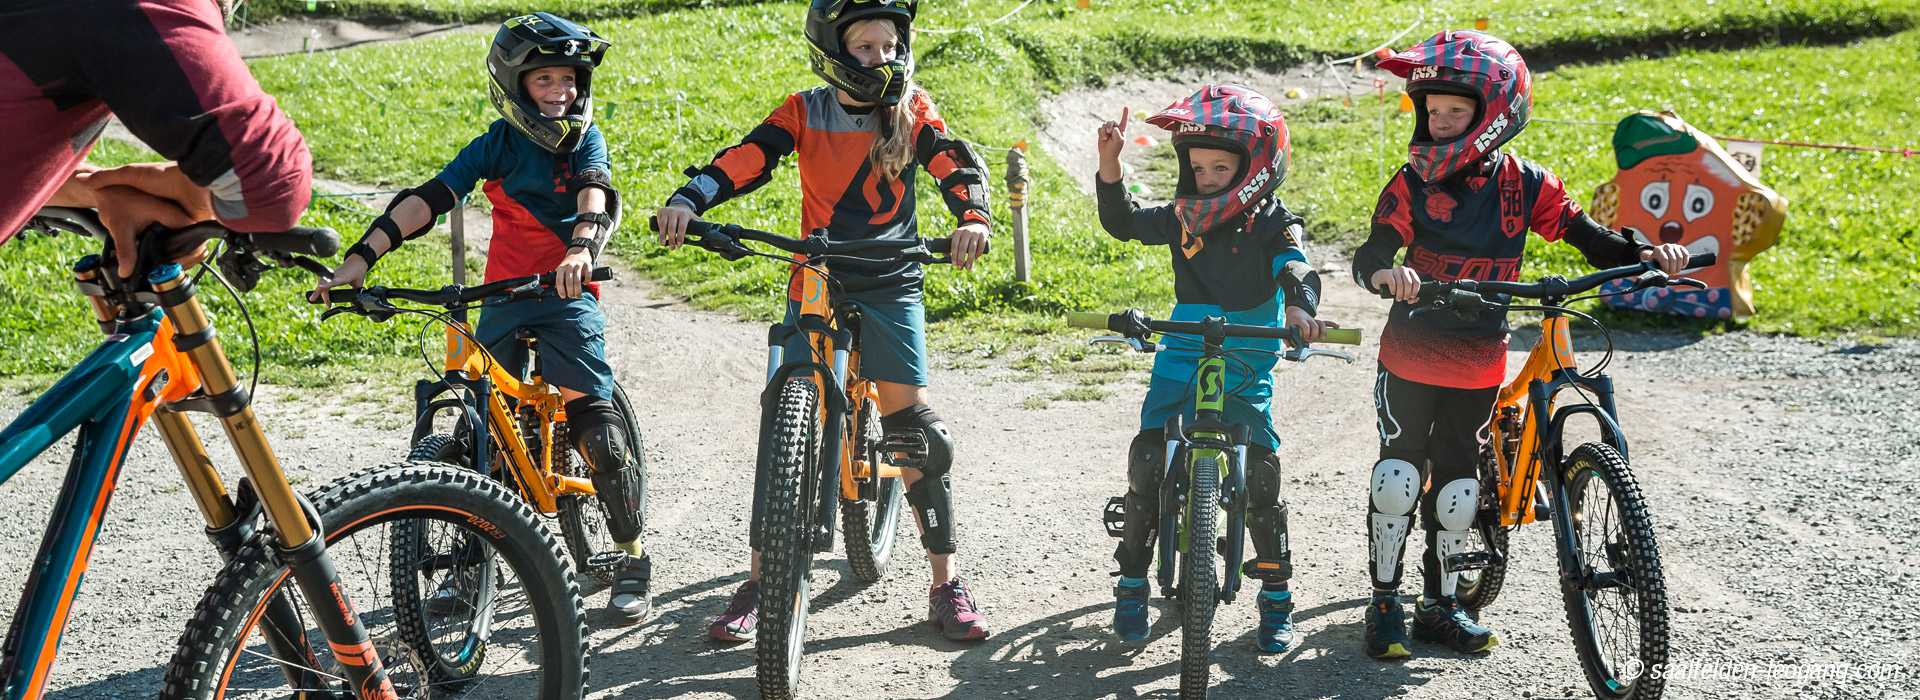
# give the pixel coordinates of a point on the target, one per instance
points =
(1114, 518)
(606, 561)
(1469, 561)
(905, 449)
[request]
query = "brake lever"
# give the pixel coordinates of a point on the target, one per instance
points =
(1687, 282)
(1137, 344)
(333, 311)
(1306, 353)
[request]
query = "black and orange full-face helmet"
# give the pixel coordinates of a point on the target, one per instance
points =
(540, 40)
(827, 21)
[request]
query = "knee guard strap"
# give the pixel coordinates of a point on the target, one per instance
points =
(931, 496)
(619, 472)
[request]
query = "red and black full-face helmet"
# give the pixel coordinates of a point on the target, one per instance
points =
(827, 22)
(1231, 118)
(1472, 64)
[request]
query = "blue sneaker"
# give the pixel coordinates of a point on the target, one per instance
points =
(1275, 634)
(1130, 608)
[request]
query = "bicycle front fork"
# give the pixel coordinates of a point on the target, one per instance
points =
(1175, 494)
(299, 540)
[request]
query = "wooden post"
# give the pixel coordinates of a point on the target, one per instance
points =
(458, 227)
(1017, 200)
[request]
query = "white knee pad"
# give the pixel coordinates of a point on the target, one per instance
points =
(1447, 543)
(1394, 491)
(1455, 503)
(1395, 487)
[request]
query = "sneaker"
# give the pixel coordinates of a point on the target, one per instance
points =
(950, 606)
(1386, 628)
(1130, 608)
(742, 616)
(630, 598)
(1443, 620)
(1275, 633)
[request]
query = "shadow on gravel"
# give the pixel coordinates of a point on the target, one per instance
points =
(1074, 654)
(1587, 339)
(674, 656)
(141, 683)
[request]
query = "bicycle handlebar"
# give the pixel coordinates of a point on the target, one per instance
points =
(370, 298)
(1132, 323)
(299, 240)
(1467, 292)
(724, 239)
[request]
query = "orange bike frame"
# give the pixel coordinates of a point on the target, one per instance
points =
(1520, 472)
(542, 485)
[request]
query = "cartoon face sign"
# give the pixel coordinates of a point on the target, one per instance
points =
(1677, 185)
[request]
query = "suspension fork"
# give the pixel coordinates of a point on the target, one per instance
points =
(298, 542)
(229, 522)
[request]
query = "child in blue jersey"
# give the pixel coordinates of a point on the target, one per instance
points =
(546, 173)
(1236, 254)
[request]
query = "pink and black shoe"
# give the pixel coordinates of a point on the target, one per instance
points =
(742, 617)
(952, 608)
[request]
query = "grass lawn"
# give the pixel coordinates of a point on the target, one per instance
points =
(681, 84)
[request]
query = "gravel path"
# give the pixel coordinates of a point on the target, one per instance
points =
(1758, 455)
(1782, 474)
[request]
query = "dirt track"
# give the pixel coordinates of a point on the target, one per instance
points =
(1758, 455)
(1783, 474)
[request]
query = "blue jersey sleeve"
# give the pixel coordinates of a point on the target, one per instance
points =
(592, 153)
(482, 159)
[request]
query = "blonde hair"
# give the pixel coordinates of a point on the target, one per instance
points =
(892, 150)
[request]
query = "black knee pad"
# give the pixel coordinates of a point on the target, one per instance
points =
(1146, 466)
(1267, 515)
(931, 496)
(1146, 463)
(619, 473)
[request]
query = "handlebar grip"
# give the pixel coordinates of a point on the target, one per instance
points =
(1341, 336)
(1087, 319)
(1702, 260)
(299, 240)
(602, 274)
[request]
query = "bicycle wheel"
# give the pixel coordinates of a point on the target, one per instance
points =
(1477, 588)
(1617, 605)
(871, 527)
(583, 519)
(1199, 585)
(786, 554)
(516, 627)
(439, 447)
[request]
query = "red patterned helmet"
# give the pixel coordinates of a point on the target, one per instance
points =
(1475, 65)
(1230, 118)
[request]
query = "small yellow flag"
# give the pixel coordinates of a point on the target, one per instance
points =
(1480, 23)
(1084, 4)
(1406, 103)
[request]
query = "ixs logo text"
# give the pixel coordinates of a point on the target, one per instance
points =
(1424, 73)
(1493, 132)
(1259, 180)
(1191, 128)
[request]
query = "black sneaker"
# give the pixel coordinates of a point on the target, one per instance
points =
(1386, 636)
(630, 598)
(1444, 620)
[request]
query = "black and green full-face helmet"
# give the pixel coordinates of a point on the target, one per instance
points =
(540, 40)
(827, 22)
